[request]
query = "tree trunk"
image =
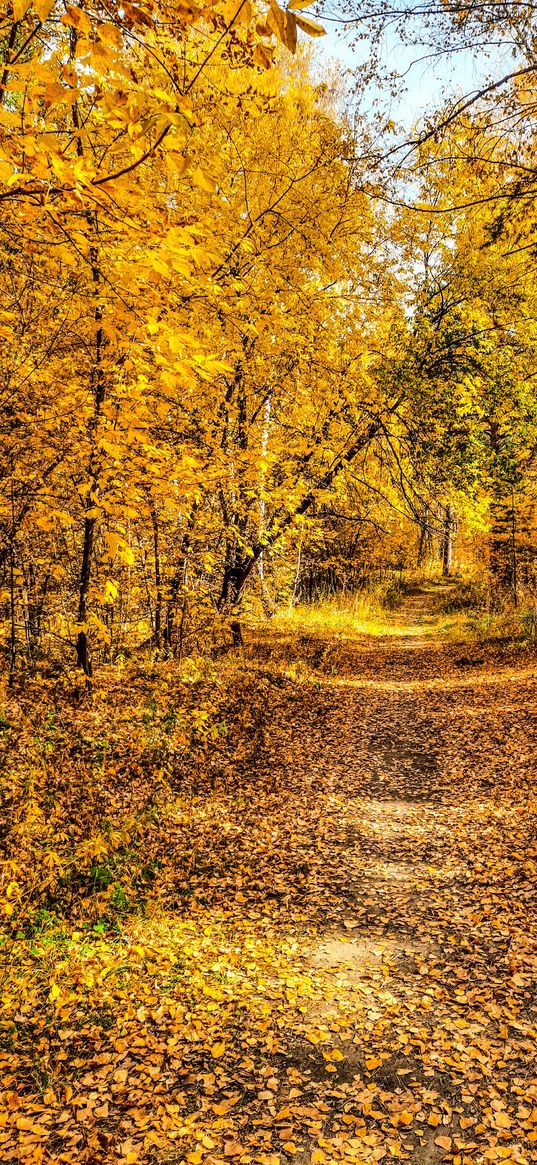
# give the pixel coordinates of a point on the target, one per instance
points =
(424, 547)
(90, 520)
(514, 559)
(12, 633)
(447, 543)
(236, 576)
(179, 579)
(262, 476)
(97, 387)
(158, 576)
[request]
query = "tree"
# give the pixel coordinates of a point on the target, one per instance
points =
(103, 137)
(473, 353)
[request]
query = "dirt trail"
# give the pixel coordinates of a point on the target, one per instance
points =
(338, 960)
(426, 889)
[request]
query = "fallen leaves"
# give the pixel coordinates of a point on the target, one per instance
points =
(241, 1018)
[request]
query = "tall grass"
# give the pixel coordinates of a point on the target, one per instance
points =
(365, 612)
(483, 610)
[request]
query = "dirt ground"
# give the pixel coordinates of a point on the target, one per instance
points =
(341, 965)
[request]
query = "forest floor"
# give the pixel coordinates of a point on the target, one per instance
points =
(341, 962)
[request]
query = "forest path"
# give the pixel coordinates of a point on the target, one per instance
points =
(424, 888)
(337, 961)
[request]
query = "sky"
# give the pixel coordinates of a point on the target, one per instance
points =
(427, 82)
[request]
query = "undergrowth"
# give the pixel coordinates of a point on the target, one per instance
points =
(364, 613)
(84, 788)
(486, 612)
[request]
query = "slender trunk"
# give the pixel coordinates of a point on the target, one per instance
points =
(9, 49)
(12, 634)
(179, 579)
(97, 388)
(158, 575)
(425, 536)
(297, 576)
(514, 560)
(37, 614)
(90, 519)
(447, 542)
(232, 585)
(236, 634)
(262, 477)
(236, 576)
(182, 625)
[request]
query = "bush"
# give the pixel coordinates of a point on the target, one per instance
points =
(474, 594)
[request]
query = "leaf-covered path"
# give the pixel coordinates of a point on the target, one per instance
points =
(425, 887)
(341, 964)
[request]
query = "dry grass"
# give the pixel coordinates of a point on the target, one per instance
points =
(369, 612)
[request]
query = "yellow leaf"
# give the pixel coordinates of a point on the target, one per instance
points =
(312, 27)
(372, 1063)
(20, 8)
(443, 1143)
(261, 56)
(77, 18)
(54, 992)
(221, 1109)
(276, 20)
(127, 555)
(218, 1050)
(111, 591)
(110, 34)
(101, 630)
(290, 32)
(43, 8)
(232, 15)
(203, 180)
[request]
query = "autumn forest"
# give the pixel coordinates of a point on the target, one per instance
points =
(268, 582)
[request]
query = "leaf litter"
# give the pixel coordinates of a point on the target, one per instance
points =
(337, 959)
